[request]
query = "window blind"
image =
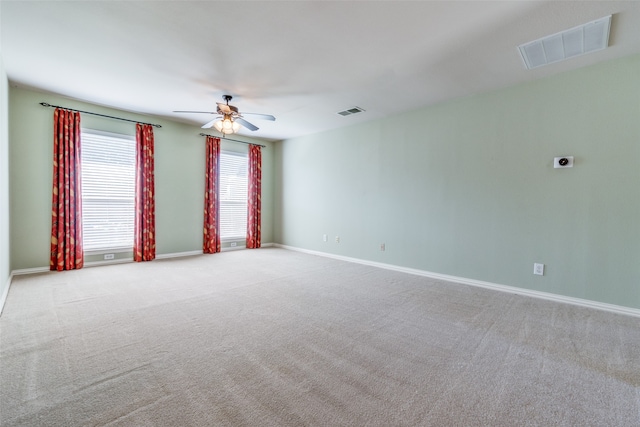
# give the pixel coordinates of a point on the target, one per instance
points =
(233, 195)
(108, 190)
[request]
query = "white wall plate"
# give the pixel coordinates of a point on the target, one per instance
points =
(563, 162)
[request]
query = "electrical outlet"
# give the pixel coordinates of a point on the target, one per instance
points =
(109, 256)
(538, 269)
(325, 237)
(337, 239)
(382, 247)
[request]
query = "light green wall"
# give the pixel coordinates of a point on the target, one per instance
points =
(467, 188)
(179, 175)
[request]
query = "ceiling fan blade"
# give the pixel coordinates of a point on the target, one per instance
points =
(261, 116)
(246, 124)
(204, 112)
(209, 124)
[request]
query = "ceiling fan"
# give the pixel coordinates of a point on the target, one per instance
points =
(230, 118)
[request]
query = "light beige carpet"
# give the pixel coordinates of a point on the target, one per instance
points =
(272, 337)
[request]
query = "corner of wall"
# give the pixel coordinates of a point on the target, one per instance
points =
(5, 261)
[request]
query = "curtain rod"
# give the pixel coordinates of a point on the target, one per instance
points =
(44, 104)
(234, 140)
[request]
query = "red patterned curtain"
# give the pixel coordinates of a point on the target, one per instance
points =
(144, 237)
(211, 243)
(255, 189)
(66, 211)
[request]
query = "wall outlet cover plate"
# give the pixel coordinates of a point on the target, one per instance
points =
(538, 269)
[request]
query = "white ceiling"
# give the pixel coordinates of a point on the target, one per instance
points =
(302, 61)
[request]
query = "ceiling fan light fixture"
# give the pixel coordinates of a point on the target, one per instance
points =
(226, 125)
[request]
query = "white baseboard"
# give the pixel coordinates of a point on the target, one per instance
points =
(179, 254)
(3, 298)
(232, 248)
(235, 248)
(108, 262)
(472, 282)
(35, 270)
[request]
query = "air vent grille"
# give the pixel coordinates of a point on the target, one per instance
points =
(350, 111)
(590, 37)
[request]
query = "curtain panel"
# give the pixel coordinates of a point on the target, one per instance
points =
(254, 203)
(66, 209)
(211, 241)
(144, 238)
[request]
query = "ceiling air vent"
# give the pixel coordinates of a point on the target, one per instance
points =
(350, 111)
(590, 37)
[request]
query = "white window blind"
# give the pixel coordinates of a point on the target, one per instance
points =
(233, 195)
(108, 190)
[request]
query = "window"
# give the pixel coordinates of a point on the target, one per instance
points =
(108, 190)
(233, 195)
